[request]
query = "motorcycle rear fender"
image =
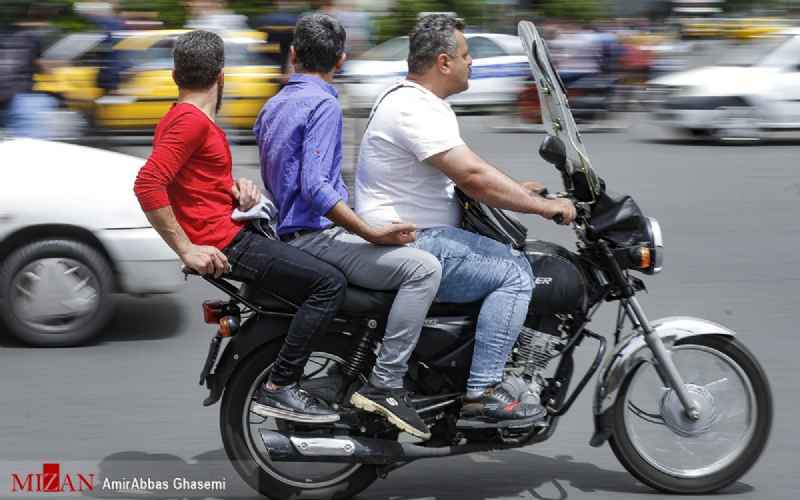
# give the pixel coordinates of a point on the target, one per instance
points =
(632, 352)
(255, 333)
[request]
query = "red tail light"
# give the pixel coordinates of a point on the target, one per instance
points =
(213, 311)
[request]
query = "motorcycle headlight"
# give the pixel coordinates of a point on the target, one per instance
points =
(653, 254)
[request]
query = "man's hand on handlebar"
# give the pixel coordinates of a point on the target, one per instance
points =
(206, 260)
(562, 211)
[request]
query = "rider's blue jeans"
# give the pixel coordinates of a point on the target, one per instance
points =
(473, 268)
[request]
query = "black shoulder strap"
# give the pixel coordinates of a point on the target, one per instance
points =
(397, 86)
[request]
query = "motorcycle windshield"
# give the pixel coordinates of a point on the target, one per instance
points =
(556, 115)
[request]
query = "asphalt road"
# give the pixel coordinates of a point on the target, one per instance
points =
(131, 402)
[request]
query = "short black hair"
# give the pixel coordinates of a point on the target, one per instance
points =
(318, 42)
(433, 35)
(199, 56)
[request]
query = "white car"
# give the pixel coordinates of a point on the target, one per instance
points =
(753, 91)
(71, 234)
(499, 70)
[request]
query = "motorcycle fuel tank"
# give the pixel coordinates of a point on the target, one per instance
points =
(561, 285)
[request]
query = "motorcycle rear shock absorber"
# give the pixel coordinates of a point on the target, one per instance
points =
(363, 354)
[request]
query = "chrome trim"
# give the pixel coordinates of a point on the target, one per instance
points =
(658, 244)
(634, 350)
(323, 447)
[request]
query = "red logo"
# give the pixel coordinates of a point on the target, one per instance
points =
(50, 480)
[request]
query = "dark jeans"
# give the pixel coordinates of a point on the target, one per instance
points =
(316, 286)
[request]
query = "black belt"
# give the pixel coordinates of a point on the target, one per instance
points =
(286, 238)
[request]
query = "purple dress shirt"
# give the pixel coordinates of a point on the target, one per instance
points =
(299, 134)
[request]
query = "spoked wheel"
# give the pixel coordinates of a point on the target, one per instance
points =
(245, 448)
(663, 448)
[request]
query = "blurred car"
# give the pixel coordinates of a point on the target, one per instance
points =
(146, 90)
(71, 234)
(499, 70)
(754, 27)
(754, 90)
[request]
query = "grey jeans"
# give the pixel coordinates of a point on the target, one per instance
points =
(414, 273)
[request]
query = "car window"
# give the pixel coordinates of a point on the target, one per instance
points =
(395, 49)
(481, 48)
(511, 45)
(756, 53)
(159, 56)
(787, 55)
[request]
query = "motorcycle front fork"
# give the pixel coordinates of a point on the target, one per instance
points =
(665, 367)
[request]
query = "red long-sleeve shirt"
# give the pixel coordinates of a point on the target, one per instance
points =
(190, 169)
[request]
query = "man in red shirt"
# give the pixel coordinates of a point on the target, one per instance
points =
(187, 191)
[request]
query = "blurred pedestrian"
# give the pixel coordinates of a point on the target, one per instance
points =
(112, 62)
(214, 15)
(355, 21)
(27, 113)
(279, 27)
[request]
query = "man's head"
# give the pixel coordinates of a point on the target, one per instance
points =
(199, 58)
(438, 52)
(318, 45)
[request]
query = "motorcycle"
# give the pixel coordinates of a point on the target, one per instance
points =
(684, 405)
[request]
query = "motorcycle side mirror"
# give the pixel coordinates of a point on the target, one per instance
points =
(553, 151)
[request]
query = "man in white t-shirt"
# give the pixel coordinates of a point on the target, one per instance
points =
(412, 157)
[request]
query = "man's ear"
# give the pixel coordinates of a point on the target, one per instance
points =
(340, 62)
(443, 63)
(174, 79)
(221, 77)
(292, 56)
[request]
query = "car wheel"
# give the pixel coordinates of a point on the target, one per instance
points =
(55, 293)
(737, 124)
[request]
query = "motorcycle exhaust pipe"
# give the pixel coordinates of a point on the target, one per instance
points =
(348, 449)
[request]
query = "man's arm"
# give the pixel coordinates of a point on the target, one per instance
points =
(170, 153)
(203, 259)
(393, 234)
(318, 154)
(480, 180)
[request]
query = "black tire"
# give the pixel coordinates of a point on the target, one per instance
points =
(635, 464)
(236, 448)
(85, 328)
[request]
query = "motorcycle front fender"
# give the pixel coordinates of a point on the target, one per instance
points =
(631, 353)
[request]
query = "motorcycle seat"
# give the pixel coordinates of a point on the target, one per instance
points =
(359, 302)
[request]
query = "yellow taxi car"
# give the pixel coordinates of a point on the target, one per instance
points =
(752, 27)
(146, 89)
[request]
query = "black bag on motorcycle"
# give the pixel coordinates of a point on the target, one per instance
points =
(617, 218)
(491, 222)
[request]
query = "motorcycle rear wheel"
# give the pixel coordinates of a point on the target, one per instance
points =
(673, 460)
(257, 470)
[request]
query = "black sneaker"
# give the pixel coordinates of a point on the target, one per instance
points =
(395, 405)
(497, 404)
(292, 402)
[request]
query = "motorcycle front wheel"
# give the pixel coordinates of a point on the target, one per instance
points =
(659, 445)
(240, 435)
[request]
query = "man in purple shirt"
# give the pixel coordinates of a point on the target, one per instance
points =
(299, 134)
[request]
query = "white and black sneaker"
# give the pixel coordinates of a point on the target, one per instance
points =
(395, 405)
(294, 403)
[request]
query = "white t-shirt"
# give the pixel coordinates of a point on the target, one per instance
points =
(393, 183)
